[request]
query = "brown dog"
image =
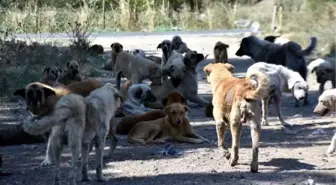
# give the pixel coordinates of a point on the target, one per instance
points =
(70, 74)
(173, 126)
(128, 122)
(220, 52)
(50, 76)
(235, 103)
(116, 48)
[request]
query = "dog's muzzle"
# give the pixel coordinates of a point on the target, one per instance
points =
(239, 52)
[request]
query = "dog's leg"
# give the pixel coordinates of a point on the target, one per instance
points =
(100, 144)
(84, 165)
(235, 127)
(114, 139)
(255, 135)
(306, 101)
(118, 80)
(220, 129)
(56, 146)
(321, 88)
(153, 134)
(264, 105)
(277, 99)
(49, 158)
(332, 146)
(199, 100)
(75, 140)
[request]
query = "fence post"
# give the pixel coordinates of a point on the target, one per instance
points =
(273, 26)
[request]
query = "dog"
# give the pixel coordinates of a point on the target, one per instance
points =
(188, 85)
(280, 78)
(220, 52)
(235, 102)
(324, 70)
(96, 49)
(174, 68)
(174, 125)
(70, 73)
(135, 69)
(116, 48)
(128, 122)
(137, 95)
(167, 48)
(179, 45)
(326, 104)
(41, 99)
(50, 76)
(289, 55)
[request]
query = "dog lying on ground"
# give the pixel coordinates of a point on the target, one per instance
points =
(326, 104)
(235, 102)
(280, 78)
(96, 49)
(220, 52)
(128, 122)
(116, 48)
(70, 74)
(50, 76)
(289, 55)
(179, 45)
(173, 126)
(135, 69)
(41, 99)
(325, 70)
(137, 95)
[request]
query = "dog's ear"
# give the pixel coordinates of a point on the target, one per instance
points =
(164, 101)
(200, 57)
(48, 92)
(68, 64)
(186, 108)
(313, 70)
(46, 70)
(20, 92)
(138, 93)
(121, 46)
(59, 70)
(230, 67)
(112, 45)
(226, 45)
(159, 46)
(167, 110)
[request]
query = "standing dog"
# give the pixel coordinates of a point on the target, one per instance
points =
(179, 45)
(325, 70)
(135, 69)
(236, 102)
(174, 68)
(171, 126)
(220, 52)
(280, 78)
(50, 76)
(326, 104)
(167, 48)
(116, 48)
(70, 74)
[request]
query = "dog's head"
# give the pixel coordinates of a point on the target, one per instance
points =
(246, 46)
(300, 90)
(141, 93)
(323, 74)
(138, 52)
(326, 102)
(177, 41)
(176, 113)
(175, 68)
(220, 46)
(167, 47)
(36, 94)
(96, 49)
(218, 72)
(174, 97)
(51, 73)
(192, 58)
(116, 47)
(72, 67)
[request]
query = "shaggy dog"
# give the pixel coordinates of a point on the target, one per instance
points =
(116, 48)
(280, 78)
(235, 102)
(50, 76)
(326, 104)
(128, 122)
(70, 73)
(324, 70)
(220, 52)
(174, 126)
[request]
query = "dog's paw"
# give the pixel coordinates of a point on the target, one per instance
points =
(227, 154)
(264, 123)
(330, 150)
(46, 162)
(234, 160)
(254, 167)
(102, 178)
(288, 130)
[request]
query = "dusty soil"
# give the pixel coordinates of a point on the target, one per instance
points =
(283, 158)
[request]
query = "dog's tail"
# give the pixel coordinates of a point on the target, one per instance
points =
(36, 126)
(310, 48)
(260, 85)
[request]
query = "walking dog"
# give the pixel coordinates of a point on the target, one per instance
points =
(220, 52)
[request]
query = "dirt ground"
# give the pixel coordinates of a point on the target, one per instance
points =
(286, 159)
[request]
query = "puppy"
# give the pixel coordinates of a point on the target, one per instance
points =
(235, 102)
(171, 126)
(50, 76)
(289, 55)
(116, 48)
(96, 49)
(324, 70)
(137, 95)
(179, 45)
(174, 68)
(280, 78)
(70, 73)
(220, 52)
(128, 122)
(135, 69)
(326, 104)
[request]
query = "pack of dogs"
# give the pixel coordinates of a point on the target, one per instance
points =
(81, 112)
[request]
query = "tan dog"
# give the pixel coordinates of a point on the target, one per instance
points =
(135, 69)
(70, 74)
(326, 104)
(50, 76)
(116, 48)
(171, 126)
(220, 52)
(128, 122)
(235, 103)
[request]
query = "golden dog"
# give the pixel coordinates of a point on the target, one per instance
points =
(50, 76)
(70, 74)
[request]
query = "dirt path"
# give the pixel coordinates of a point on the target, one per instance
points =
(283, 158)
